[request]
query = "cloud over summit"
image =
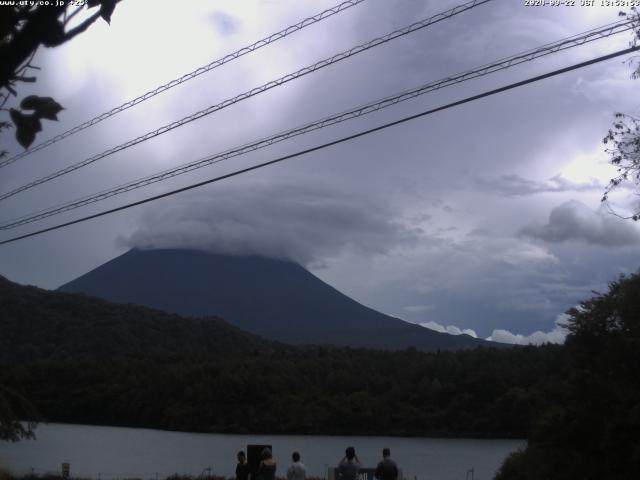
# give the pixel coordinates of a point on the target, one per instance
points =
(306, 225)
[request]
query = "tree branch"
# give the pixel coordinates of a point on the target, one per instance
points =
(78, 30)
(75, 12)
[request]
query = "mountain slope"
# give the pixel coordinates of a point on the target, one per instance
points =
(275, 299)
(37, 324)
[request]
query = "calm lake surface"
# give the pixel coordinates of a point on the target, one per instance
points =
(112, 452)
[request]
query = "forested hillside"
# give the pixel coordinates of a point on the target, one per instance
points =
(81, 359)
(37, 324)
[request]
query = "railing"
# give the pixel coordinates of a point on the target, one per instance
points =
(206, 474)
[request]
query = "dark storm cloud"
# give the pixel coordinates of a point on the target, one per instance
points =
(303, 224)
(515, 185)
(575, 221)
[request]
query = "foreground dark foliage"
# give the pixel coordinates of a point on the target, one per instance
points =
(592, 429)
(8, 476)
(24, 27)
(54, 476)
(13, 407)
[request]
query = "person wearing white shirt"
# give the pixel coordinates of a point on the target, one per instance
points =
(296, 470)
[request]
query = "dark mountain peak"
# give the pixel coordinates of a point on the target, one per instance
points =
(277, 299)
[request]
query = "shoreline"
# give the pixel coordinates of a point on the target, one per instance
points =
(279, 434)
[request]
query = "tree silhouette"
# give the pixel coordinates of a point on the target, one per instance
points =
(23, 29)
(13, 407)
(593, 432)
(623, 139)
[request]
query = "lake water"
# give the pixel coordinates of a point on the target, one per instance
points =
(111, 452)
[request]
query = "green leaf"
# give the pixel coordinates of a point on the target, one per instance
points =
(26, 127)
(45, 107)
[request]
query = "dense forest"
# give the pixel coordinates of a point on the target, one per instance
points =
(479, 393)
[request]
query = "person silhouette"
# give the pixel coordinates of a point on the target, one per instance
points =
(267, 466)
(242, 469)
(349, 466)
(387, 469)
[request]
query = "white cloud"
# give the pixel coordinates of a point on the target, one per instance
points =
(610, 85)
(450, 329)
(573, 220)
(515, 185)
(557, 335)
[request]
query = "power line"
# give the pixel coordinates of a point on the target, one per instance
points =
(329, 144)
(508, 62)
(188, 76)
(254, 91)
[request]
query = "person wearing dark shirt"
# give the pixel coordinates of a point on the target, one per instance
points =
(349, 466)
(387, 468)
(267, 467)
(242, 469)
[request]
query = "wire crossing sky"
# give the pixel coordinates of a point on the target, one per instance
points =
(484, 219)
(502, 64)
(332, 143)
(186, 77)
(255, 91)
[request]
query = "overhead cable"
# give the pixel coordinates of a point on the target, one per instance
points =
(186, 77)
(502, 64)
(328, 144)
(254, 91)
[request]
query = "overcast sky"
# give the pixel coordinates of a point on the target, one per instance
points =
(483, 218)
